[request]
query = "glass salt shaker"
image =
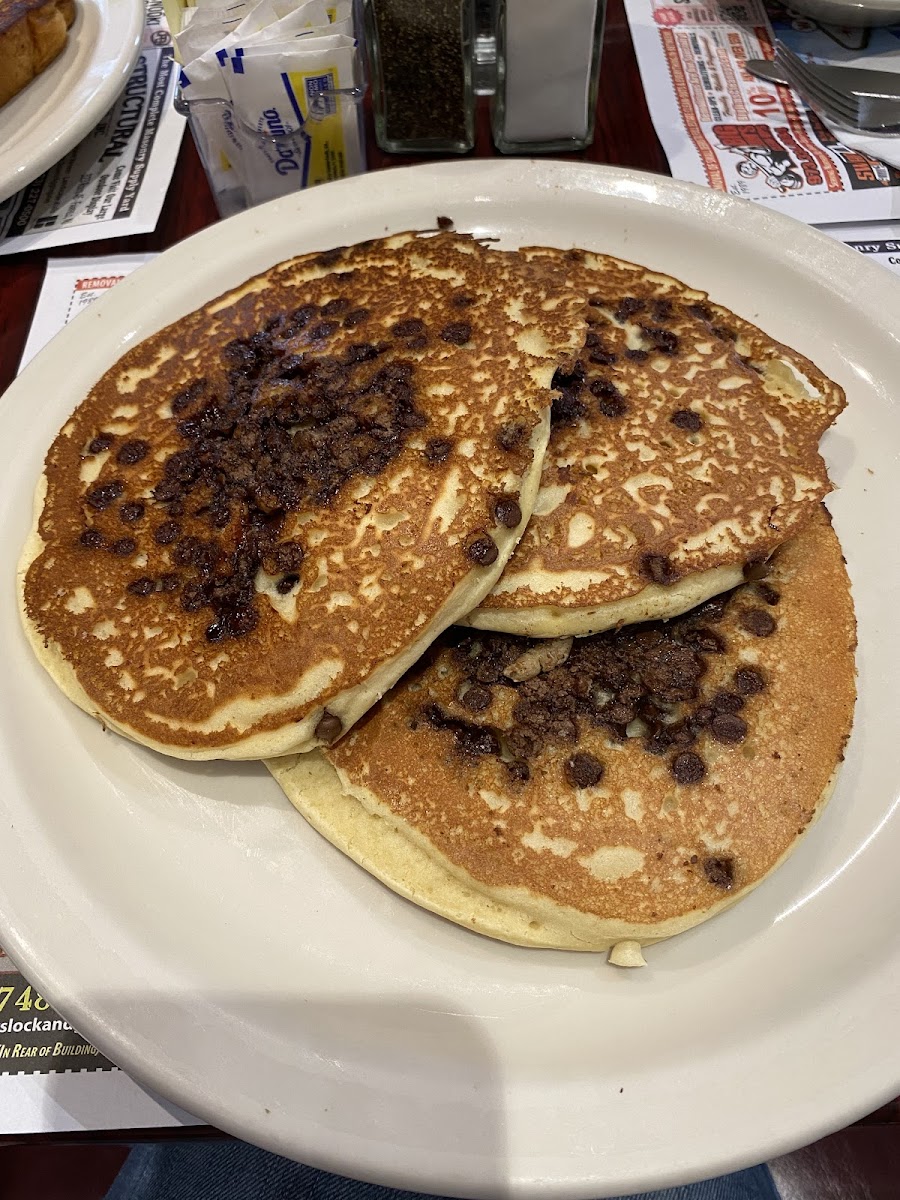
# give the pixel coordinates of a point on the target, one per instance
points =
(420, 64)
(548, 62)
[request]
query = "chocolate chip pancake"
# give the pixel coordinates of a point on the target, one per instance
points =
(263, 514)
(607, 791)
(684, 444)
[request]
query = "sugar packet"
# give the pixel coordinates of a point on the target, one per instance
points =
(301, 100)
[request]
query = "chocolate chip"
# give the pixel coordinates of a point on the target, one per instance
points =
(728, 728)
(567, 408)
(707, 641)
(688, 767)
(323, 330)
(719, 872)
(482, 550)
(437, 450)
(105, 494)
(749, 681)
(727, 702)
(91, 539)
(170, 582)
(356, 317)
(702, 311)
(361, 352)
(613, 406)
(611, 402)
(712, 610)
(287, 557)
(101, 442)
(124, 547)
(329, 728)
(408, 328)
(131, 512)
(335, 307)
(141, 587)
(686, 418)
(757, 621)
(132, 452)
(664, 340)
(186, 398)
(662, 310)
(166, 533)
(701, 717)
(194, 597)
(287, 584)
(506, 511)
(330, 258)
(444, 223)
(473, 741)
(659, 568)
(768, 593)
(601, 357)
(628, 307)
(637, 355)
(476, 699)
(511, 435)
(583, 770)
(658, 744)
(456, 332)
(518, 770)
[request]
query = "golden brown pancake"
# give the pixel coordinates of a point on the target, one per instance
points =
(263, 514)
(605, 791)
(684, 444)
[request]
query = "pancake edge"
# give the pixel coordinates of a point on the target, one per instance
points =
(402, 863)
(652, 603)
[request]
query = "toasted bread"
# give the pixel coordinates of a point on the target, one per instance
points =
(31, 36)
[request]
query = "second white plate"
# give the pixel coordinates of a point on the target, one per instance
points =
(63, 104)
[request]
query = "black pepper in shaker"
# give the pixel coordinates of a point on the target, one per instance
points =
(420, 65)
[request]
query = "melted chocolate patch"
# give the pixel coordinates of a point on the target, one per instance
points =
(719, 872)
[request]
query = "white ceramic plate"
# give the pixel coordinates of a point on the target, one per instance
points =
(850, 12)
(190, 923)
(56, 110)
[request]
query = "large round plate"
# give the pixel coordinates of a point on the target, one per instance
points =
(189, 922)
(63, 104)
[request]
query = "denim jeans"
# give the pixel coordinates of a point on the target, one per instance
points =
(236, 1171)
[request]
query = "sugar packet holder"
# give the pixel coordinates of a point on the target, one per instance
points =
(318, 137)
(298, 111)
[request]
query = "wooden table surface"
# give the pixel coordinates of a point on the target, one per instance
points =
(624, 137)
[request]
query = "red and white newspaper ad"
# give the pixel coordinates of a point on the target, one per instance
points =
(722, 127)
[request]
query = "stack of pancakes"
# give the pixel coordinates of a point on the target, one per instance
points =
(513, 565)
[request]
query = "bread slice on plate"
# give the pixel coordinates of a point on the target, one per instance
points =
(31, 36)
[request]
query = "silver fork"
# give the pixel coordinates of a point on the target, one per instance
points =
(838, 105)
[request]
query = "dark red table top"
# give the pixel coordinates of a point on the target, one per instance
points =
(624, 137)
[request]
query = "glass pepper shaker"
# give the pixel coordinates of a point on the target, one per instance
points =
(420, 64)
